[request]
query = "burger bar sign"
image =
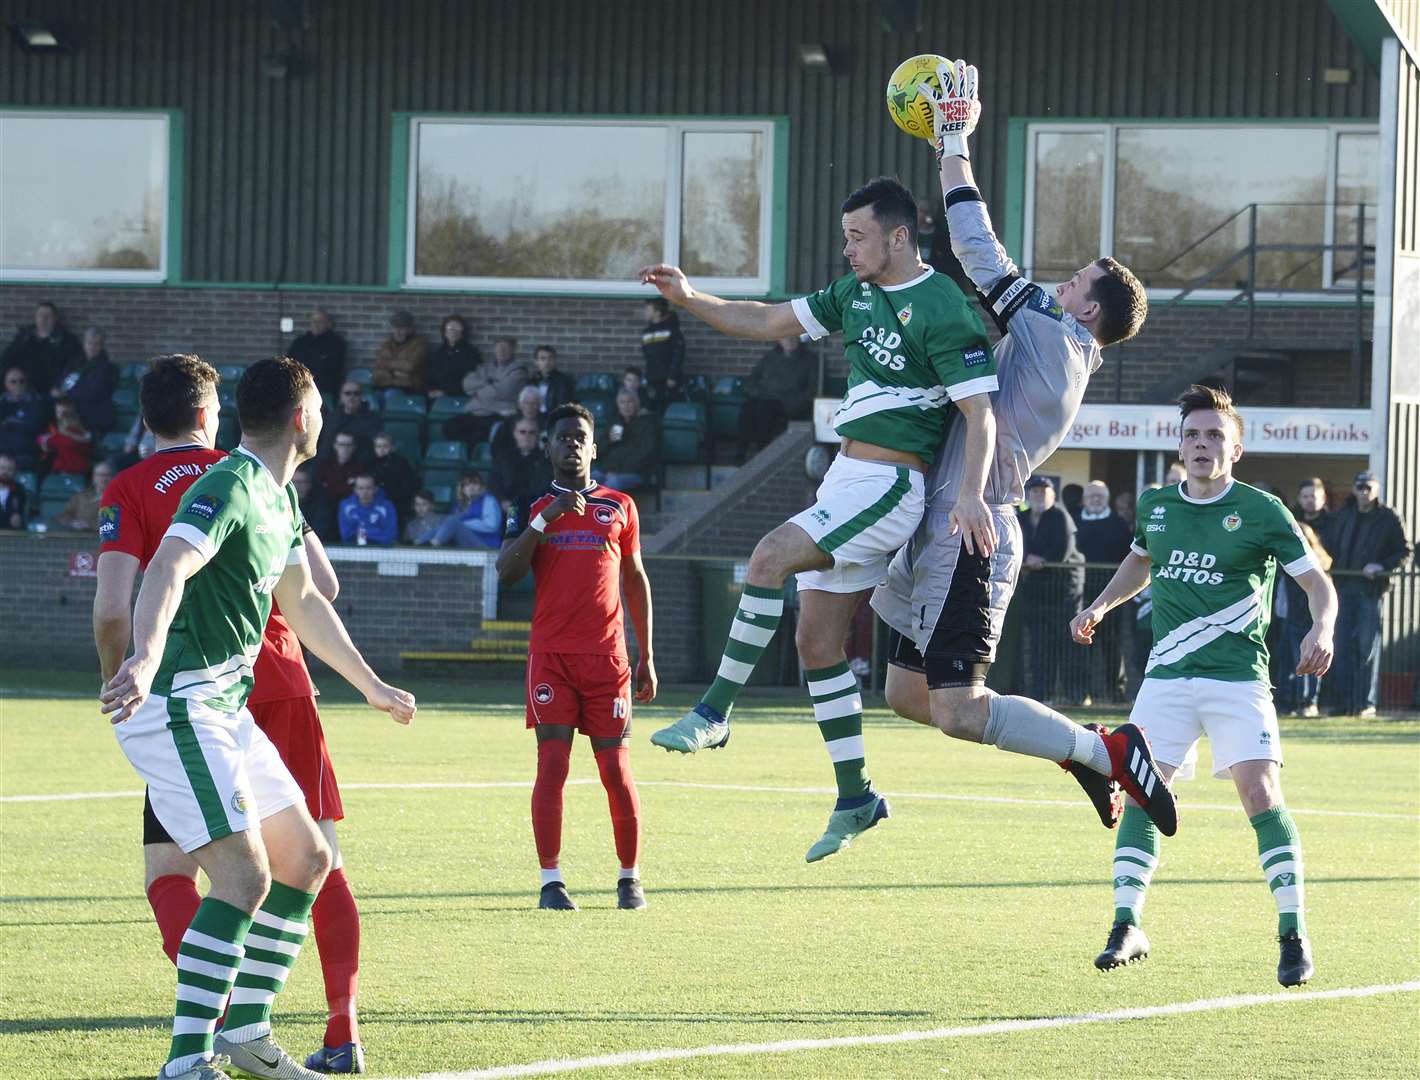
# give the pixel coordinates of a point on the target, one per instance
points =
(1265, 430)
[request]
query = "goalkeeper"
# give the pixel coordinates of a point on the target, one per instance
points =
(946, 602)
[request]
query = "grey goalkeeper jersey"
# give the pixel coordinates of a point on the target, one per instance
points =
(1043, 364)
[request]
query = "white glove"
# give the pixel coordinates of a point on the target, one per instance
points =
(955, 110)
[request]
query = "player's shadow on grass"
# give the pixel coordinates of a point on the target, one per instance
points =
(573, 1016)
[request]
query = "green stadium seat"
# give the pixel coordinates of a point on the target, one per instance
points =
(441, 478)
(406, 405)
(229, 432)
(362, 375)
(408, 435)
(602, 410)
(697, 388)
(443, 495)
(447, 406)
(227, 396)
(126, 397)
(30, 482)
(482, 457)
(446, 452)
(231, 373)
(54, 492)
(112, 443)
(596, 384)
(133, 373)
(726, 403)
(683, 436)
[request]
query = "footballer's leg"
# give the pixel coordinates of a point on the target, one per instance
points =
(169, 880)
(335, 920)
(606, 720)
(553, 711)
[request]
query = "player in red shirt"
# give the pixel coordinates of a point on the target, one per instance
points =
(179, 399)
(583, 547)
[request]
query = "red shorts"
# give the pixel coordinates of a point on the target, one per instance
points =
(582, 690)
(293, 726)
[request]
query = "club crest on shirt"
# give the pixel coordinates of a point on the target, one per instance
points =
(604, 514)
(542, 693)
(905, 315)
(1232, 523)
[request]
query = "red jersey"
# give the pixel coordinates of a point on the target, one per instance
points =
(280, 669)
(577, 568)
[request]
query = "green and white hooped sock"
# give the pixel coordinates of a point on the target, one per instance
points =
(838, 708)
(277, 931)
(1279, 850)
(750, 633)
(1136, 854)
(207, 962)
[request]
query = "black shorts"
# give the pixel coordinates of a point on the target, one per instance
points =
(153, 831)
(942, 672)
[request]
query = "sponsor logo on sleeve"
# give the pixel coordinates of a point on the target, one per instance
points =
(108, 524)
(204, 507)
(974, 357)
(1046, 304)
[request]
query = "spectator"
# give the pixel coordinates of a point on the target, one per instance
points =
(529, 408)
(316, 505)
(321, 350)
(455, 357)
(1124, 504)
(426, 522)
(779, 389)
(1291, 616)
(366, 516)
(355, 416)
(632, 379)
(476, 520)
(338, 471)
(44, 350)
(81, 512)
(139, 444)
(1311, 507)
(68, 445)
(403, 357)
(89, 383)
(523, 473)
(12, 495)
(1368, 539)
(554, 387)
(1175, 475)
(1103, 538)
(663, 351)
(394, 474)
(23, 417)
(492, 391)
(1072, 498)
(631, 457)
(1050, 597)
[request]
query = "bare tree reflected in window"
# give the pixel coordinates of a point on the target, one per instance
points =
(720, 203)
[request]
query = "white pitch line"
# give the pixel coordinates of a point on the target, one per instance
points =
(1002, 1027)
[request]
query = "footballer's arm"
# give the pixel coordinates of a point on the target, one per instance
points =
(1317, 648)
(322, 572)
(637, 588)
(1128, 582)
(970, 516)
(515, 557)
(737, 318)
(113, 608)
(320, 630)
(974, 241)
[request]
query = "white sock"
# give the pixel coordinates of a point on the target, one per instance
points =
(549, 876)
(629, 872)
(1090, 751)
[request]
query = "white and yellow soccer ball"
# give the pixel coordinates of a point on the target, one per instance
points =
(909, 110)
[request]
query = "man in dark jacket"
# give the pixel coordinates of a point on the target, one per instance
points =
(1050, 597)
(43, 350)
(555, 387)
(89, 383)
(394, 474)
(521, 473)
(454, 358)
(1103, 538)
(663, 352)
(24, 415)
(632, 454)
(352, 414)
(779, 389)
(321, 350)
(1367, 538)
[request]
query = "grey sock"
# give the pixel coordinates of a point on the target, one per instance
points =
(1023, 726)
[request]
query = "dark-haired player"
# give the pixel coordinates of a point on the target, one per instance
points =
(216, 783)
(945, 603)
(582, 543)
(917, 353)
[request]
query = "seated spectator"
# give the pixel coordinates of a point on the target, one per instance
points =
(633, 380)
(455, 357)
(322, 351)
(367, 517)
(352, 414)
(68, 445)
(402, 359)
(421, 529)
(476, 520)
(23, 418)
(337, 472)
(139, 444)
(522, 474)
(529, 408)
(632, 454)
(81, 512)
(316, 505)
(89, 383)
(12, 495)
(492, 391)
(663, 352)
(779, 389)
(394, 474)
(554, 387)
(43, 350)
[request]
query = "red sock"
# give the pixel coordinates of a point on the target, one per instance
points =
(174, 899)
(553, 756)
(337, 929)
(615, 767)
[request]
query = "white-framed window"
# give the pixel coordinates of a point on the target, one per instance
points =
(573, 205)
(1174, 200)
(85, 195)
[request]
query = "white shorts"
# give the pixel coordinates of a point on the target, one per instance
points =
(863, 512)
(209, 773)
(1238, 718)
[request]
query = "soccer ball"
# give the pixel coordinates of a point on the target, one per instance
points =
(910, 112)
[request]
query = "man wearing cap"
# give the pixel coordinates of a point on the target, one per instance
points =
(402, 358)
(1366, 538)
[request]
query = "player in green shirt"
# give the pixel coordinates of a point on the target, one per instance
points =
(178, 705)
(915, 351)
(1209, 547)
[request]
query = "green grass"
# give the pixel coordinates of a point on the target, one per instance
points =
(954, 913)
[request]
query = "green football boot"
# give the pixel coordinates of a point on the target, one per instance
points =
(844, 825)
(700, 729)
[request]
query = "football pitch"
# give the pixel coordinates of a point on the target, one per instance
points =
(956, 939)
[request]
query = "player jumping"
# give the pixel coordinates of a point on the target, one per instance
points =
(914, 348)
(216, 783)
(945, 603)
(1209, 548)
(583, 547)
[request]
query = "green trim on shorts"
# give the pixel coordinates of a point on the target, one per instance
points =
(866, 519)
(199, 776)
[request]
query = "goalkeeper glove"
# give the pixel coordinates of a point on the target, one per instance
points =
(955, 109)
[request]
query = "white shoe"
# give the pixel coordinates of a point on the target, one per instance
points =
(263, 1057)
(203, 1070)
